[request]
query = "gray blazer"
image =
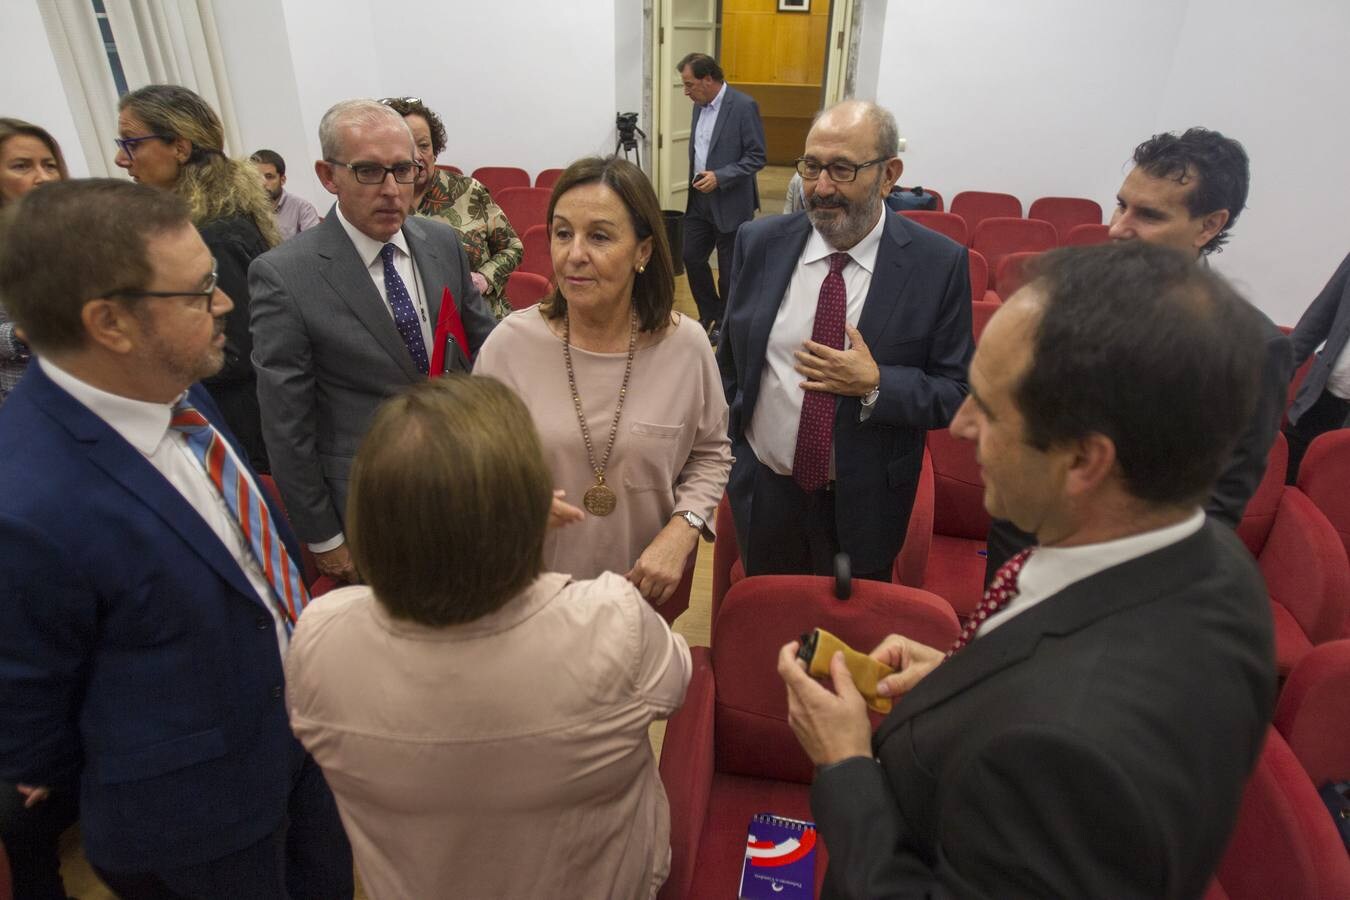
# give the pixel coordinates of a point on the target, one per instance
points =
(735, 154)
(1326, 319)
(327, 354)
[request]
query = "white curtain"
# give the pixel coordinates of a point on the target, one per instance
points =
(72, 30)
(175, 42)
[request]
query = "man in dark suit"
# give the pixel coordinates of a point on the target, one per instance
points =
(343, 316)
(847, 337)
(1323, 400)
(726, 149)
(1091, 732)
(1186, 192)
(147, 591)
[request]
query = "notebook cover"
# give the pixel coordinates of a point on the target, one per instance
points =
(780, 859)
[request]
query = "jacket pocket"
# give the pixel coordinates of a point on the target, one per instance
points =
(161, 758)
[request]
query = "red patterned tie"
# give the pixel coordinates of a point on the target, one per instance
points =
(999, 594)
(811, 459)
(248, 509)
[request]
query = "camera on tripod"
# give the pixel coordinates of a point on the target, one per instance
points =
(626, 123)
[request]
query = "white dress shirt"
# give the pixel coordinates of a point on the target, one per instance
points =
(1050, 570)
(772, 431)
(368, 251)
(1338, 380)
(145, 426)
(707, 121)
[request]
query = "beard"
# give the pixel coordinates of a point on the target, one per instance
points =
(851, 220)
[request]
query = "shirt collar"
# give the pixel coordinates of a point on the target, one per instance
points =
(864, 253)
(367, 248)
(716, 103)
(140, 424)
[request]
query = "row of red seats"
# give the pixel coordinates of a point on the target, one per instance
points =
(496, 178)
(1062, 213)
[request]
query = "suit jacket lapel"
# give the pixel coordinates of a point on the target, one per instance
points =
(728, 101)
(889, 275)
(781, 251)
(431, 269)
(1080, 604)
(122, 463)
(350, 281)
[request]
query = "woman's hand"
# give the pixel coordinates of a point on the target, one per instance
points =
(479, 282)
(560, 513)
(911, 661)
(661, 566)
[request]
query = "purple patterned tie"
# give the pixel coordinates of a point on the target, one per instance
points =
(811, 460)
(999, 594)
(405, 314)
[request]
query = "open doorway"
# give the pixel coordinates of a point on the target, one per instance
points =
(789, 55)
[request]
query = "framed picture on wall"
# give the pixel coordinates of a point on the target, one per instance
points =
(794, 5)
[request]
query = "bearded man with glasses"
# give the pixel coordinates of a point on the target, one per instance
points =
(847, 337)
(343, 316)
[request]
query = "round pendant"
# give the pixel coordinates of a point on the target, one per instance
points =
(599, 500)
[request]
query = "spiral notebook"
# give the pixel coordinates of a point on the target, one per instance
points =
(780, 859)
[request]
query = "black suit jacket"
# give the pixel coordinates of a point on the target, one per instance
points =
(916, 322)
(1326, 319)
(1094, 746)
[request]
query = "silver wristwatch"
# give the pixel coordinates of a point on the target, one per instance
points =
(695, 522)
(870, 398)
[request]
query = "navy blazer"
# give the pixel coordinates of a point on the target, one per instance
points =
(916, 322)
(134, 653)
(735, 154)
(1326, 319)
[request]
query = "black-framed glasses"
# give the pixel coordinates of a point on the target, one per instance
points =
(128, 145)
(840, 172)
(374, 173)
(207, 292)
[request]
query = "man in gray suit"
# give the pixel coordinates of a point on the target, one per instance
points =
(726, 149)
(343, 316)
(1323, 400)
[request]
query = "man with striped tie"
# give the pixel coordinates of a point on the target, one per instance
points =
(147, 589)
(1089, 732)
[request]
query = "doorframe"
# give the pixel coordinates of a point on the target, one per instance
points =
(839, 50)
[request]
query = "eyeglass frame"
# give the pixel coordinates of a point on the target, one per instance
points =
(128, 145)
(825, 167)
(387, 171)
(208, 292)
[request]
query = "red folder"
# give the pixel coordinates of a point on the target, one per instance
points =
(448, 324)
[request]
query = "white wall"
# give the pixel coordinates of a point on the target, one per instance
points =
(1051, 96)
(31, 87)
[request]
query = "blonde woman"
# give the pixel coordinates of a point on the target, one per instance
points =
(169, 137)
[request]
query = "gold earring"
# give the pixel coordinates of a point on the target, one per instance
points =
(641, 269)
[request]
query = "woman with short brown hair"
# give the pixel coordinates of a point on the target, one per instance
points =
(481, 722)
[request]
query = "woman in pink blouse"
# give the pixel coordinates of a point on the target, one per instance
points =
(482, 722)
(625, 393)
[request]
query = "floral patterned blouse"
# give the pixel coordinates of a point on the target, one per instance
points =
(493, 248)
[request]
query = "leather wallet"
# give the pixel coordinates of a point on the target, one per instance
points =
(818, 648)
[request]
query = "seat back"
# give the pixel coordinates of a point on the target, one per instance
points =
(525, 289)
(1324, 475)
(981, 311)
(998, 236)
(1259, 516)
(537, 258)
(547, 178)
(726, 552)
(1066, 213)
(760, 615)
(912, 559)
(1314, 709)
(979, 277)
(452, 169)
(498, 178)
(1304, 564)
(958, 488)
(1285, 843)
(1087, 235)
(524, 207)
(950, 224)
(976, 206)
(1011, 273)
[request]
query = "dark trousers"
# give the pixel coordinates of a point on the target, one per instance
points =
(700, 238)
(32, 839)
(307, 858)
(1006, 540)
(793, 532)
(1327, 414)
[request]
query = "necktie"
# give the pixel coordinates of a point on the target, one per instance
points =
(999, 594)
(247, 508)
(405, 314)
(815, 432)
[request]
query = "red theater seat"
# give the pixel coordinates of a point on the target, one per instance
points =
(547, 178)
(1324, 476)
(729, 753)
(498, 178)
(999, 236)
(525, 289)
(537, 258)
(950, 224)
(524, 207)
(1314, 709)
(1066, 213)
(956, 560)
(981, 311)
(979, 279)
(1011, 273)
(976, 206)
(1087, 235)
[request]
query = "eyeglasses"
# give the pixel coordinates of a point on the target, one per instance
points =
(373, 173)
(840, 172)
(389, 101)
(208, 291)
(128, 145)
